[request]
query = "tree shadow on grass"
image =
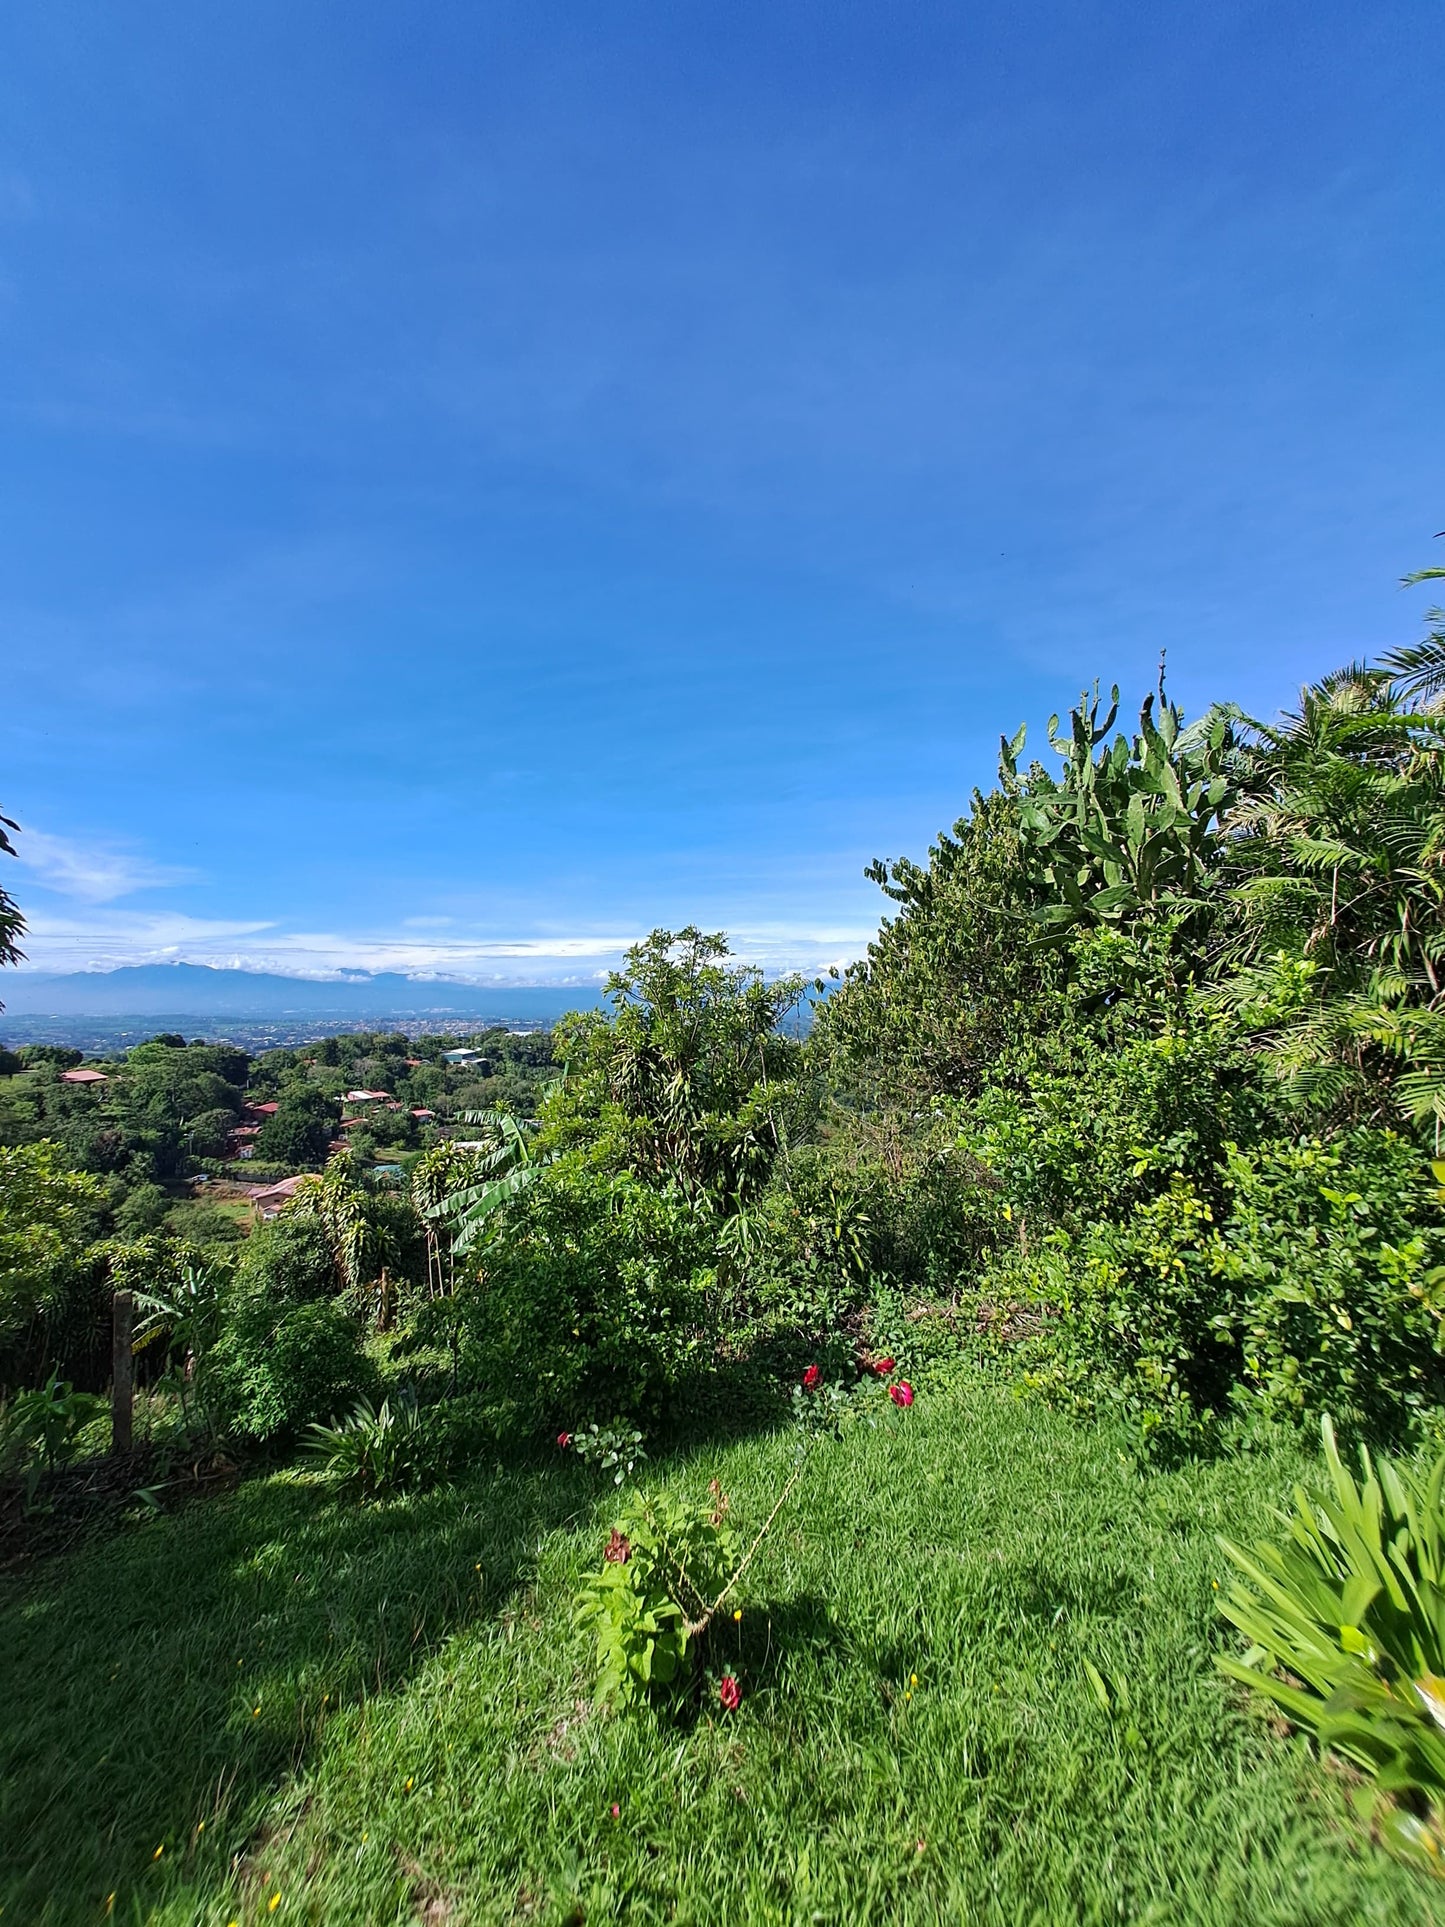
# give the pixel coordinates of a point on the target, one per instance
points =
(159, 1687)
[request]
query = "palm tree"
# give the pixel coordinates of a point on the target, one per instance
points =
(1337, 858)
(1419, 669)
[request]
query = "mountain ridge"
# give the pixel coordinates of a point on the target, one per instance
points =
(206, 990)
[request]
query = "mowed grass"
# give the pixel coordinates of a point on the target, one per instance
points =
(277, 1706)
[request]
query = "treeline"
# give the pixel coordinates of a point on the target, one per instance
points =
(109, 1175)
(1134, 1099)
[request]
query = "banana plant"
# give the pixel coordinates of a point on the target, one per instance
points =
(501, 1163)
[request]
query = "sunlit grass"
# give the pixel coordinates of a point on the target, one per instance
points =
(382, 1714)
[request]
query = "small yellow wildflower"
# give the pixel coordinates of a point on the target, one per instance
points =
(273, 1903)
(159, 1851)
(407, 1788)
(738, 1613)
(913, 1679)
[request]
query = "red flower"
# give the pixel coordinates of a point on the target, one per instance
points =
(811, 1377)
(883, 1366)
(902, 1393)
(729, 1693)
(618, 1549)
(616, 1811)
(564, 1439)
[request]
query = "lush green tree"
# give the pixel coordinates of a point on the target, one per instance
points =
(1129, 831)
(288, 1260)
(302, 1128)
(49, 1218)
(208, 1136)
(143, 1210)
(60, 1055)
(1334, 954)
(954, 976)
(689, 1075)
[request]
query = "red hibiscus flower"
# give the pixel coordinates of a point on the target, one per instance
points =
(564, 1439)
(902, 1393)
(811, 1377)
(883, 1366)
(729, 1693)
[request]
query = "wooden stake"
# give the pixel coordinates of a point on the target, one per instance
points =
(122, 1373)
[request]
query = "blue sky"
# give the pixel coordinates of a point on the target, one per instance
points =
(478, 482)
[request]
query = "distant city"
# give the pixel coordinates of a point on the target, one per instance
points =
(107, 1011)
(107, 1036)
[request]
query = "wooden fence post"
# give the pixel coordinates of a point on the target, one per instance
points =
(122, 1373)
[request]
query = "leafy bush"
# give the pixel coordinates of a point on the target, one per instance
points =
(289, 1260)
(596, 1300)
(51, 1301)
(801, 1257)
(143, 1210)
(1351, 1610)
(665, 1569)
(39, 1429)
(1085, 1127)
(1327, 1256)
(1310, 1287)
(398, 1446)
(617, 1449)
(275, 1369)
(377, 1449)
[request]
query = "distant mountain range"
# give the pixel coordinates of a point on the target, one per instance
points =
(197, 990)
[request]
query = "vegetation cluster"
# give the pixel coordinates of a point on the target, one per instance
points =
(1131, 1115)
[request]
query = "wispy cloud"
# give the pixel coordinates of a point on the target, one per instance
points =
(107, 939)
(92, 873)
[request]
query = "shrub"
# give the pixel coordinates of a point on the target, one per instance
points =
(664, 1571)
(1327, 1254)
(276, 1369)
(614, 1449)
(1085, 1129)
(1309, 1287)
(596, 1299)
(377, 1449)
(1352, 1610)
(143, 1210)
(51, 1301)
(398, 1446)
(800, 1258)
(289, 1261)
(39, 1429)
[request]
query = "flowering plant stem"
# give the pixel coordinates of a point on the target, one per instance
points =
(696, 1626)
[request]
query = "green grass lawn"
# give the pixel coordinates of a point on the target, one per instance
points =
(382, 1714)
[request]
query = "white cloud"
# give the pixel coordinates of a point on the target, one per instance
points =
(92, 873)
(108, 938)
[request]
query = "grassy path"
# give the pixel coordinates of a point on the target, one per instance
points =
(382, 1714)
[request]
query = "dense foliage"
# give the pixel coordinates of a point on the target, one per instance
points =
(1134, 1104)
